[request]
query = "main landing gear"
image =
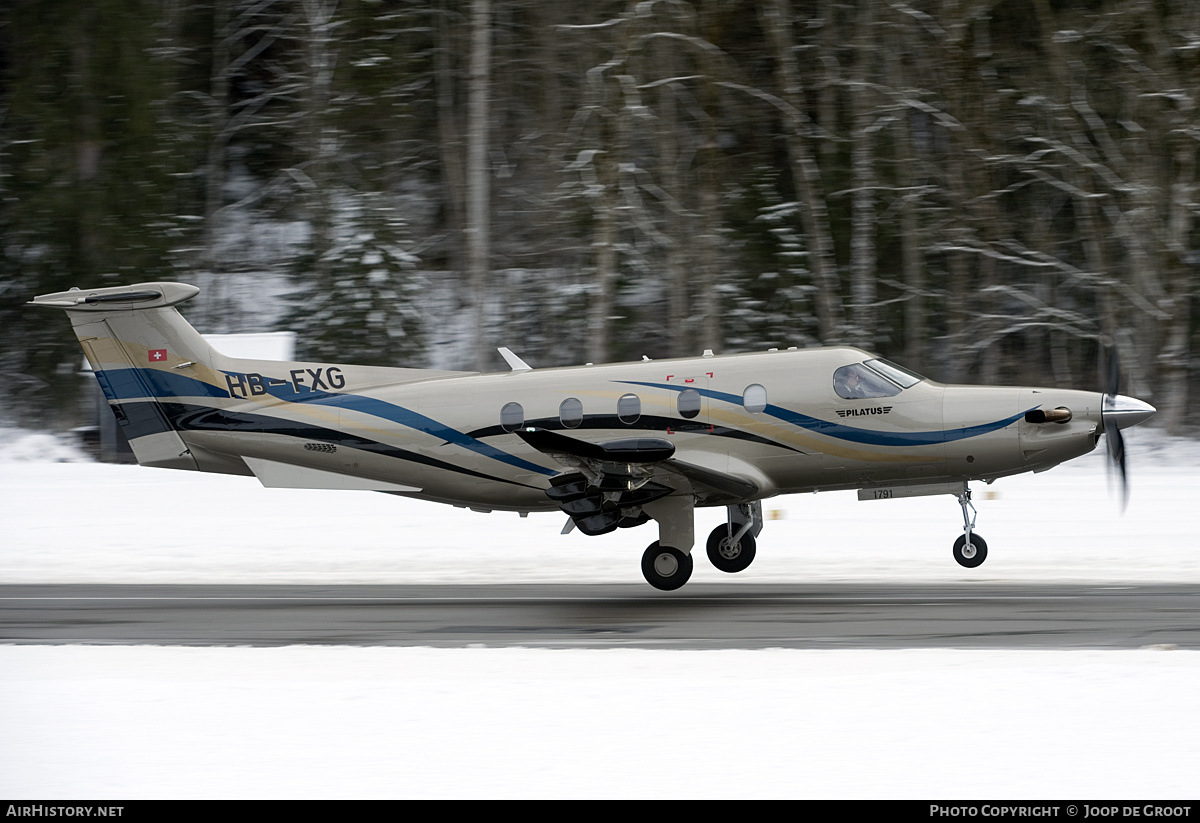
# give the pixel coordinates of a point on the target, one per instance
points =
(666, 568)
(970, 550)
(730, 547)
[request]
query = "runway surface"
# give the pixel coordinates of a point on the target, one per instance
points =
(704, 616)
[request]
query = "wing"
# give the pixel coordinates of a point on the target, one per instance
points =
(608, 483)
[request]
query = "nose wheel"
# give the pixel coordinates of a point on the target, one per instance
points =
(731, 553)
(970, 553)
(970, 550)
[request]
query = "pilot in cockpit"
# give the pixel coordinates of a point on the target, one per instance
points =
(852, 385)
(857, 381)
(848, 383)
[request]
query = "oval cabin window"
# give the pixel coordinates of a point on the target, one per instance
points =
(512, 417)
(688, 403)
(629, 409)
(570, 412)
(754, 398)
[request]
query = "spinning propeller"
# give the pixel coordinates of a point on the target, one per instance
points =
(1118, 412)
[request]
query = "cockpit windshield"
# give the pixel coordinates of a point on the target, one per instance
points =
(873, 378)
(899, 375)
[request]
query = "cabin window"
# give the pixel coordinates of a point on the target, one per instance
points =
(512, 417)
(856, 382)
(629, 408)
(688, 403)
(570, 412)
(754, 398)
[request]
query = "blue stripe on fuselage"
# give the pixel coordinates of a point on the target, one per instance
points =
(405, 417)
(868, 437)
(131, 384)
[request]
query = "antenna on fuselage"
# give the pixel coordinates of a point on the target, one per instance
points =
(514, 362)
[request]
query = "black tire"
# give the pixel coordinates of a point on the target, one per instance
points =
(727, 558)
(972, 556)
(666, 568)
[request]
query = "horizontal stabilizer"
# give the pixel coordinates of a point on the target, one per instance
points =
(119, 298)
(628, 450)
(276, 475)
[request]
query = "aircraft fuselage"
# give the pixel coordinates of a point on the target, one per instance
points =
(446, 437)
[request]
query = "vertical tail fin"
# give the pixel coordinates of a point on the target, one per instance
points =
(147, 358)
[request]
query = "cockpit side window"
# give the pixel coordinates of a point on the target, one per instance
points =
(856, 381)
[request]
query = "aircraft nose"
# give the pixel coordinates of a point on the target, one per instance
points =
(1124, 412)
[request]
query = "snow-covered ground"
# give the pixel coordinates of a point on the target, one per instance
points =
(122, 722)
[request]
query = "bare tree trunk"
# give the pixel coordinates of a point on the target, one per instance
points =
(478, 233)
(88, 146)
(678, 341)
(1181, 278)
(217, 305)
(319, 138)
(961, 84)
(988, 217)
(450, 144)
(776, 20)
(827, 95)
(615, 140)
(710, 247)
(912, 253)
(604, 247)
(609, 87)
(902, 75)
(862, 232)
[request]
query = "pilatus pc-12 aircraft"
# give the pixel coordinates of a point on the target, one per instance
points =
(612, 446)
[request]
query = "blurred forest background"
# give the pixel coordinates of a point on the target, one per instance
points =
(983, 190)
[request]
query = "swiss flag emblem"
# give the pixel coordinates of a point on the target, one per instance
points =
(158, 355)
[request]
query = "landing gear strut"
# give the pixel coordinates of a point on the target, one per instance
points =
(970, 549)
(667, 563)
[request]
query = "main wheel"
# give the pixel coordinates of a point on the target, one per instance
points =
(666, 568)
(972, 555)
(729, 556)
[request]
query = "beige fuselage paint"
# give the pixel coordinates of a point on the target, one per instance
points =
(440, 435)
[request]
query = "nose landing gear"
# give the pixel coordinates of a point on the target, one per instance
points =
(731, 547)
(970, 549)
